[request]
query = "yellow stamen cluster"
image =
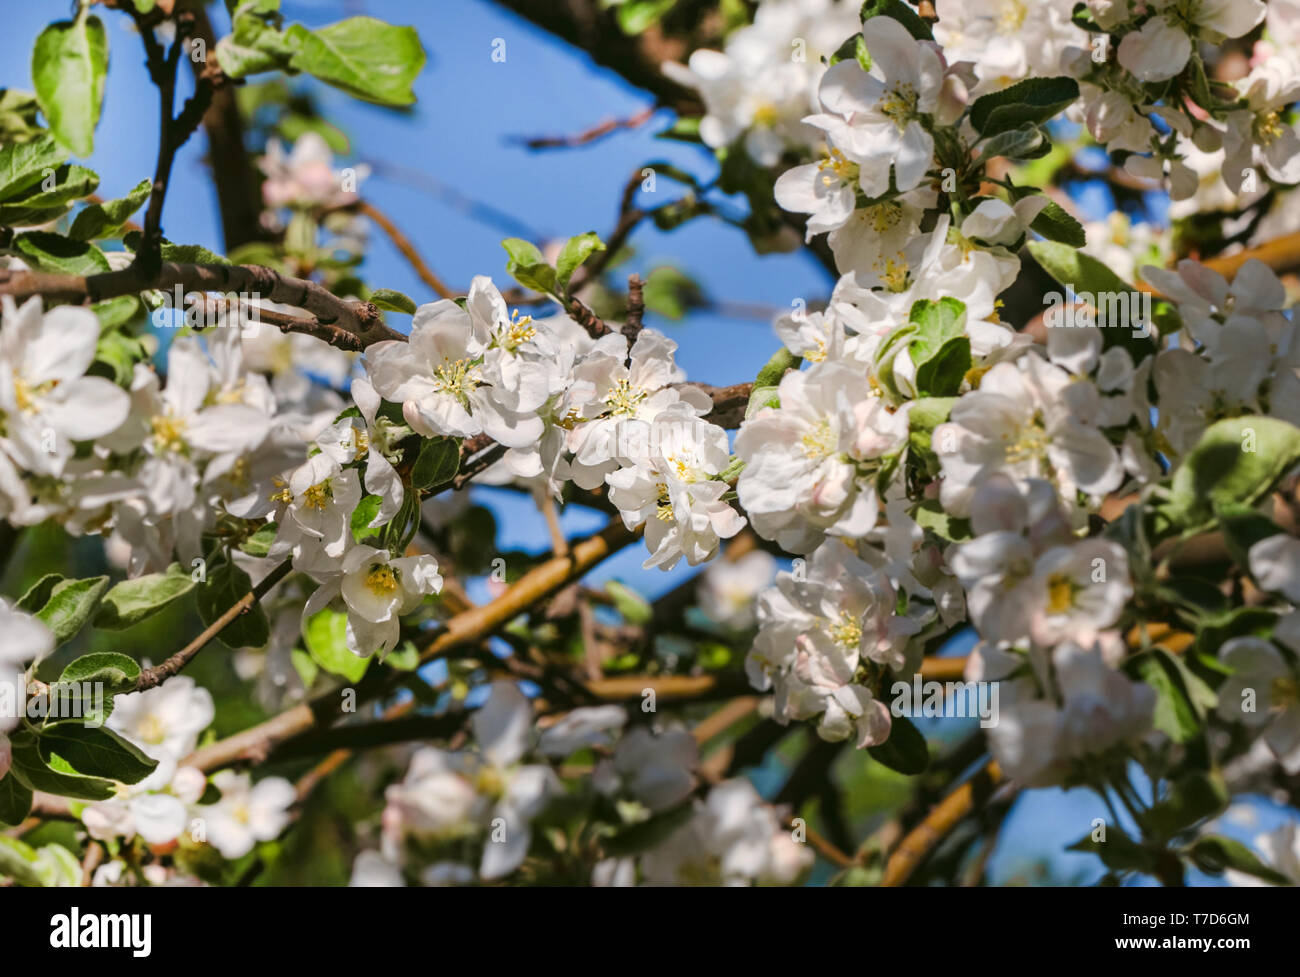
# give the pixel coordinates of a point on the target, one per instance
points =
(1060, 593)
(624, 398)
(519, 331)
(1284, 692)
(381, 580)
(360, 442)
(766, 115)
(1030, 444)
(317, 496)
(846, 631)
(282, 493)
(664, 513)
(819, 441)
(168, 433)
(837, 168)
(899, 106)
(454, 378)
(25, 393)
(1269, 128)
(1011, 15)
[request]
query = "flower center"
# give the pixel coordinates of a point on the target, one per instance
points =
(1060, 593)
(152, 729)
(1269, 128)
(819, 440)
(846, 631)
(25, 394)
(841, 169)
(317, 496)
(360, 442)
(454, 378)
(381, 580)
(168, 433)
(766, 115)
(899, 106)
(520, 331)
(1011, 14)
(1029, 445)
(624, 398)
(1284, 692)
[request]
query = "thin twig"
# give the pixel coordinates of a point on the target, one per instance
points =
(151, 677)
(407, 249)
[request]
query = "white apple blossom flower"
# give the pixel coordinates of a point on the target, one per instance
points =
(875, 118)
(810, 464)
(438, 377)
(46, 401)
(673, 493)
(306, 177)
(732, 839)
(1007, 40)
(247, 813)
(376, 589)
(1263, 693)
(165, 721)
(1028, 419)
(730, 588)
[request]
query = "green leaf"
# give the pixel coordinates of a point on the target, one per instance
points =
(57, 867)
(25, 165)
(226, 585)
(70, 605)
(15, 802)
(636, 16)
(923, 417)
(576, 250)
(1236, 463)
(1118, 851)
(1214, 853)
(1025, 142)
(1175, 713)
(437, 463)
(132, 601)
(1090, 278)
(47, 251)
(96, 751)
(1034, 100)
(405, 657)
(901, 12)
(39, 593)
(1055, 223)
(634, 608)
(259, 544)
(116, 312)
(942, 374)
(51, 198)
(528, 267)
(393, 300)
(669, 293)
(69, 64)
(117, 673)
(30, 768)
(326, 636)
(905, 751)
(931, 515)
(364, 57)
(255, 43)
(18, 859)
(106, 219)
(648, 833)
(363, 515)
(1192, 798)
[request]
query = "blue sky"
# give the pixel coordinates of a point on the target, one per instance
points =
(469, 106)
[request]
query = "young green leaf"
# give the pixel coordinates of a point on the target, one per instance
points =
(576, 250)
(70, 605)
(364, 57)
(69, 65)
(132, 601)
(96, 751)
(106, 219)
